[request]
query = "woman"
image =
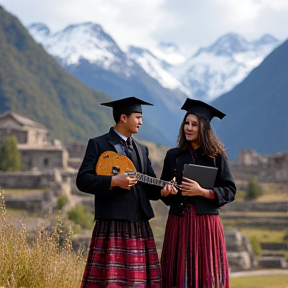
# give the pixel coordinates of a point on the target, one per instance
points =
(194, 253)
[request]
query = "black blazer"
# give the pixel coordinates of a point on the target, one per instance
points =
(225, 188)
(118, 203)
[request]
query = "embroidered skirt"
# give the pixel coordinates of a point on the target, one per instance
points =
(122, 254)
(194, 252)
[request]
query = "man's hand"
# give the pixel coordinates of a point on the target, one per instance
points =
(123, 181)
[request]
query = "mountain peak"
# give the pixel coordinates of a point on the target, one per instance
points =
(39, 29)
(266, 39)
(97, 28)
(168, 47)
(233, 43)
(226, 45)
(76, 42)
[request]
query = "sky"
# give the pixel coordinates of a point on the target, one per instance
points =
(190, 24)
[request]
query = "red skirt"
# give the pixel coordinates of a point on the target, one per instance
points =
(122, 254)
(194, 252)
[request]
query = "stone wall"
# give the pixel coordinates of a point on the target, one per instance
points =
(27, 180)
(248, 206)
(51, 184)
(38, 203)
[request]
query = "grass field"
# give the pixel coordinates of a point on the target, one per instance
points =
(260, 281)
(264, 235)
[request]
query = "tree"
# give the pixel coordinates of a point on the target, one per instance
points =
(10, 158)
(253, 190)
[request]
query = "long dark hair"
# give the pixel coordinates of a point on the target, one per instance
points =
(209, 142)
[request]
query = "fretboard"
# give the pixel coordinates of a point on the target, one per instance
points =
(152, 180)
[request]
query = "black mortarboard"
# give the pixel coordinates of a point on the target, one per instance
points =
(127, 105)
(200, 108)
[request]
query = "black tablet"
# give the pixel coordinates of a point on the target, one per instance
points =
(204, 175)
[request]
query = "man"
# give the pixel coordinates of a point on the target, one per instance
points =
(122, 250)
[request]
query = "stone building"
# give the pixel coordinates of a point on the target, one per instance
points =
(38, 152)
(266, 168)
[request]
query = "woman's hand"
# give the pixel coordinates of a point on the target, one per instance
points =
(168, 190)
(190, 187)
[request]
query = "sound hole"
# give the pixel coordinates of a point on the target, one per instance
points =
(115, 170)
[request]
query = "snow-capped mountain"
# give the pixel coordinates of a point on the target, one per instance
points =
(216, 69)
(89, 42)
(85, 41)
(212, 71)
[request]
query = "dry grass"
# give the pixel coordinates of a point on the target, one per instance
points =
(24, 191)
(271, 192)
(45, 259)
(256, 214)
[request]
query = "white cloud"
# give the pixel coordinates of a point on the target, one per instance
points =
(188, 23)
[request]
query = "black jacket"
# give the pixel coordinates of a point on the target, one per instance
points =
(224, 189)
(118, 203)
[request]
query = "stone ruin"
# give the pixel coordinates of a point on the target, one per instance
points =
(239, 251)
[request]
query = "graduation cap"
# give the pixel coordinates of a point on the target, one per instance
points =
(200, 108)
(127, 105)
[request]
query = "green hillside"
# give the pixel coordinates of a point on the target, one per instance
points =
(34, 85)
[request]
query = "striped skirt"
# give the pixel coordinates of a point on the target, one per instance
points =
(122, 254)
(194, 252)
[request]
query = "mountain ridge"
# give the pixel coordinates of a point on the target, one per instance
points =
(216, 69)
(256, 108)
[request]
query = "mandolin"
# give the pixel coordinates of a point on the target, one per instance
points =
(112, 163)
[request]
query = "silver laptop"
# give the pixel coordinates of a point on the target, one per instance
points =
(204, 175)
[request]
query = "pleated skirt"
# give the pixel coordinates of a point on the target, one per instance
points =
(194, 252)
(122, 254)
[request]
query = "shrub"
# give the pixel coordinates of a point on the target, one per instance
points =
(256, 246)
(286, 235)
(78, 215)
(62, 200)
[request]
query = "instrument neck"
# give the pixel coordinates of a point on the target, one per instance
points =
(152, 180)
